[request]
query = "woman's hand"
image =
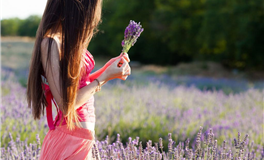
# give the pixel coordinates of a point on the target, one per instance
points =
(128, 69)
(114, 71)
(125, 55)
(97, 73)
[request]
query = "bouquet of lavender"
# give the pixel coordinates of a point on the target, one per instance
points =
(132, 32)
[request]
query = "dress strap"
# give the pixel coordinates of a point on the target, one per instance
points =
(49, 98)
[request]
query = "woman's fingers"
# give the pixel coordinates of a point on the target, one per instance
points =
(126, 57)
(127, 68)
(120, 68)
(128, 71)
(124, 65)
(122, 61)
(117, 61)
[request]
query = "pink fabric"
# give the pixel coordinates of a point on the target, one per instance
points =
(86, 111)
(62, 144)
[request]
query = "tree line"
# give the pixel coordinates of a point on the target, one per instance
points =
(228, 31)
(20, 27)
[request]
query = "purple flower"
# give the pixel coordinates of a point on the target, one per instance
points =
(132, 32)
(38, 139)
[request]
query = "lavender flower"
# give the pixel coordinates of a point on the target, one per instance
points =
(175, 103)
(131, 151)
(161, 144)
(132, 32)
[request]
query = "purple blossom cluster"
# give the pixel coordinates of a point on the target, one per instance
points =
(205, 148)
(17, 149)
(16, 117)
(132, 32)
(157, 108)
(149, 112)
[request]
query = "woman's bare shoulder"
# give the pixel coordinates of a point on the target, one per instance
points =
(55, 46)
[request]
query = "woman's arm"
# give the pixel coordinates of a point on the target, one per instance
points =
(86, 92)
(97, 73)
(52, 74)
(83, 94)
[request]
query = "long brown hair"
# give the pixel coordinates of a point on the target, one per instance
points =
(77, 20)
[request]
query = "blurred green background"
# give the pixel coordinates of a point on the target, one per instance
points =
(229, 32)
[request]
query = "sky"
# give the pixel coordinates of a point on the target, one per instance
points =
(21, 8)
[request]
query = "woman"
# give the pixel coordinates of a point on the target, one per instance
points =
(60, 75)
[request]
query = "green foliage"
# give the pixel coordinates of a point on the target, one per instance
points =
(19, 27)
(10, 27)
(226, 31)
(230, 33)
(29, 26)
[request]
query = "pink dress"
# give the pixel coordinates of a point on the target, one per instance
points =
(61, 143)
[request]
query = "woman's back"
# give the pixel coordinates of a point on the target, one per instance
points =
(86, 111)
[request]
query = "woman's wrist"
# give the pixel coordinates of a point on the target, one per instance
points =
(102, 78)
(98, 88)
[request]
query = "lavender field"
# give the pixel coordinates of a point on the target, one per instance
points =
(148, 116)
(149, 112)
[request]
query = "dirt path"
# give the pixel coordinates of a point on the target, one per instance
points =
(17, 39)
